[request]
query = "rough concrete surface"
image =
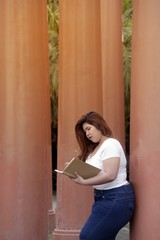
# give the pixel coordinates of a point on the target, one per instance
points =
(123, 234)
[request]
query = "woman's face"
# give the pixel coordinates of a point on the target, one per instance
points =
(92, 133)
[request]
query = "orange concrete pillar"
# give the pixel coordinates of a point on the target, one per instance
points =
(80, 90)
(145, 119)
(112, 66)
(24, 120)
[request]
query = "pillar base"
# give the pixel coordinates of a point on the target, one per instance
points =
(66, 234)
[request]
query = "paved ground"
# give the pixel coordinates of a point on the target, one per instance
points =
(123, 234)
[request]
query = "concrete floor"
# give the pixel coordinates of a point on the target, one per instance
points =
(123, 234)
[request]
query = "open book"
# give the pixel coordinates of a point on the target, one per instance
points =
(84, 169)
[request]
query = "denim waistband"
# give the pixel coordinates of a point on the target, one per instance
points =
(127, 188)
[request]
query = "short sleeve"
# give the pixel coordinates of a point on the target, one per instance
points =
(111, 149)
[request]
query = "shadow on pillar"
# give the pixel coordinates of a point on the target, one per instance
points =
(52, 217)
(54, 159)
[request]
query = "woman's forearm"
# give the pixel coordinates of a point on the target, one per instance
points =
(101, 178)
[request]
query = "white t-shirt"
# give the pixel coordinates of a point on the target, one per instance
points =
(110, 148)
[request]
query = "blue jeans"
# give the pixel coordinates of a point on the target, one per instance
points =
(111, 210)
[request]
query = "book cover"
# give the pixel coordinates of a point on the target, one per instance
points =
(84, 169)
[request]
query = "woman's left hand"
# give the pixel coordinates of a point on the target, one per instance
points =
(78, 179)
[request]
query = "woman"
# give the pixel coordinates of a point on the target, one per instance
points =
(113, 194)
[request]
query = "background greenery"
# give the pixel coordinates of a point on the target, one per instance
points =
(53, 31)
(127, 11)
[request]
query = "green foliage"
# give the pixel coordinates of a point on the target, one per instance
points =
(127, 41)
(53, 31)
(127, 38)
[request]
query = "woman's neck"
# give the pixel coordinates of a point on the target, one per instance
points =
(103, 138)
(98, 146)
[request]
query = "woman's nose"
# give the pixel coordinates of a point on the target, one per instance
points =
(87, 133)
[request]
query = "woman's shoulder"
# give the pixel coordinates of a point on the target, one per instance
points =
(111, 148)
(111, 141)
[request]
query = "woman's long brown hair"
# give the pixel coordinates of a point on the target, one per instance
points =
(86, 146)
